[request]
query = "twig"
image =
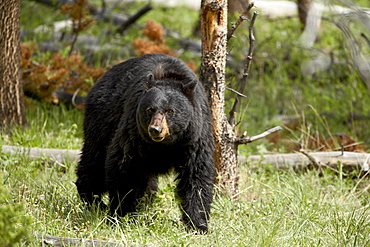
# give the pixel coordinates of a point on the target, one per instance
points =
(74, 97)
(316, 163)
(75, 37)
(242, 18)
(246, 70)
(134, 18)
(244, 140)
(238, 93)
(312, 159)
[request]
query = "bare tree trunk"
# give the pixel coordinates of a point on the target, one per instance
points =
(214, 42)
(11, 92)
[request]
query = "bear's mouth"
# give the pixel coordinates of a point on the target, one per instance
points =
(157, 134)
(157, 139)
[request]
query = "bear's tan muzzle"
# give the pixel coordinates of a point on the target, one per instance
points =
(158, 127)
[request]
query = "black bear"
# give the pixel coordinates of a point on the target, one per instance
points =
(145, 117)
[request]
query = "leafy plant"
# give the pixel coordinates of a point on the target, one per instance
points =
(42, 76)
(14, 224)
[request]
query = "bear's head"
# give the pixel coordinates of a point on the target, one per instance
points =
(165, 110)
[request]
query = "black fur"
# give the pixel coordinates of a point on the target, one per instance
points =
(119, 156)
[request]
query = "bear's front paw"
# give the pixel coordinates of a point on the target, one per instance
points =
(200, 228)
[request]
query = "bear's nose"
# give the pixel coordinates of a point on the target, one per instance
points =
(154, 130)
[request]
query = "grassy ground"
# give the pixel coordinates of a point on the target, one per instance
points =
(275, 208)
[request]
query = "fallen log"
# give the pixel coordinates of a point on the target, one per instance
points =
(336, 160)
(62, 241)
(57, 155)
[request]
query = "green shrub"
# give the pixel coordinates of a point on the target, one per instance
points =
(14, 224)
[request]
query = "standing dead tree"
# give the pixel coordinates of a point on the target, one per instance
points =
(214, 50)
(214, 44)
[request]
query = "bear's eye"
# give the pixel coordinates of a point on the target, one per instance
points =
(150, 109)
(170, 111)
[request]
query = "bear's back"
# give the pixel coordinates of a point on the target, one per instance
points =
(129, 79)
(136, 70)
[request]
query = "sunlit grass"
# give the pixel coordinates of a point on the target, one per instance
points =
(49, 126)
(275, 208)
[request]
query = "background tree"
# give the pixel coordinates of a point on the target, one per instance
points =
(11, 92)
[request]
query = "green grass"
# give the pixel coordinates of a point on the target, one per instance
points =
(50, 126)
(275, 208)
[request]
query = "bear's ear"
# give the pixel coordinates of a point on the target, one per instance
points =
(188, 88)
(150, 81)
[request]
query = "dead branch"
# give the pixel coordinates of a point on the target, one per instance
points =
(134, 18)
(242, 18)
(246, 70)
(244, 140)
(312, 159)
(236, 92)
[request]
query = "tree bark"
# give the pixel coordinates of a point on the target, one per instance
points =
(214, 44)
(11, 90)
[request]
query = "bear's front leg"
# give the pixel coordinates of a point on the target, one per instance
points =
(123, 187)
(90, 175)
(127, 182)
(195, 190)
